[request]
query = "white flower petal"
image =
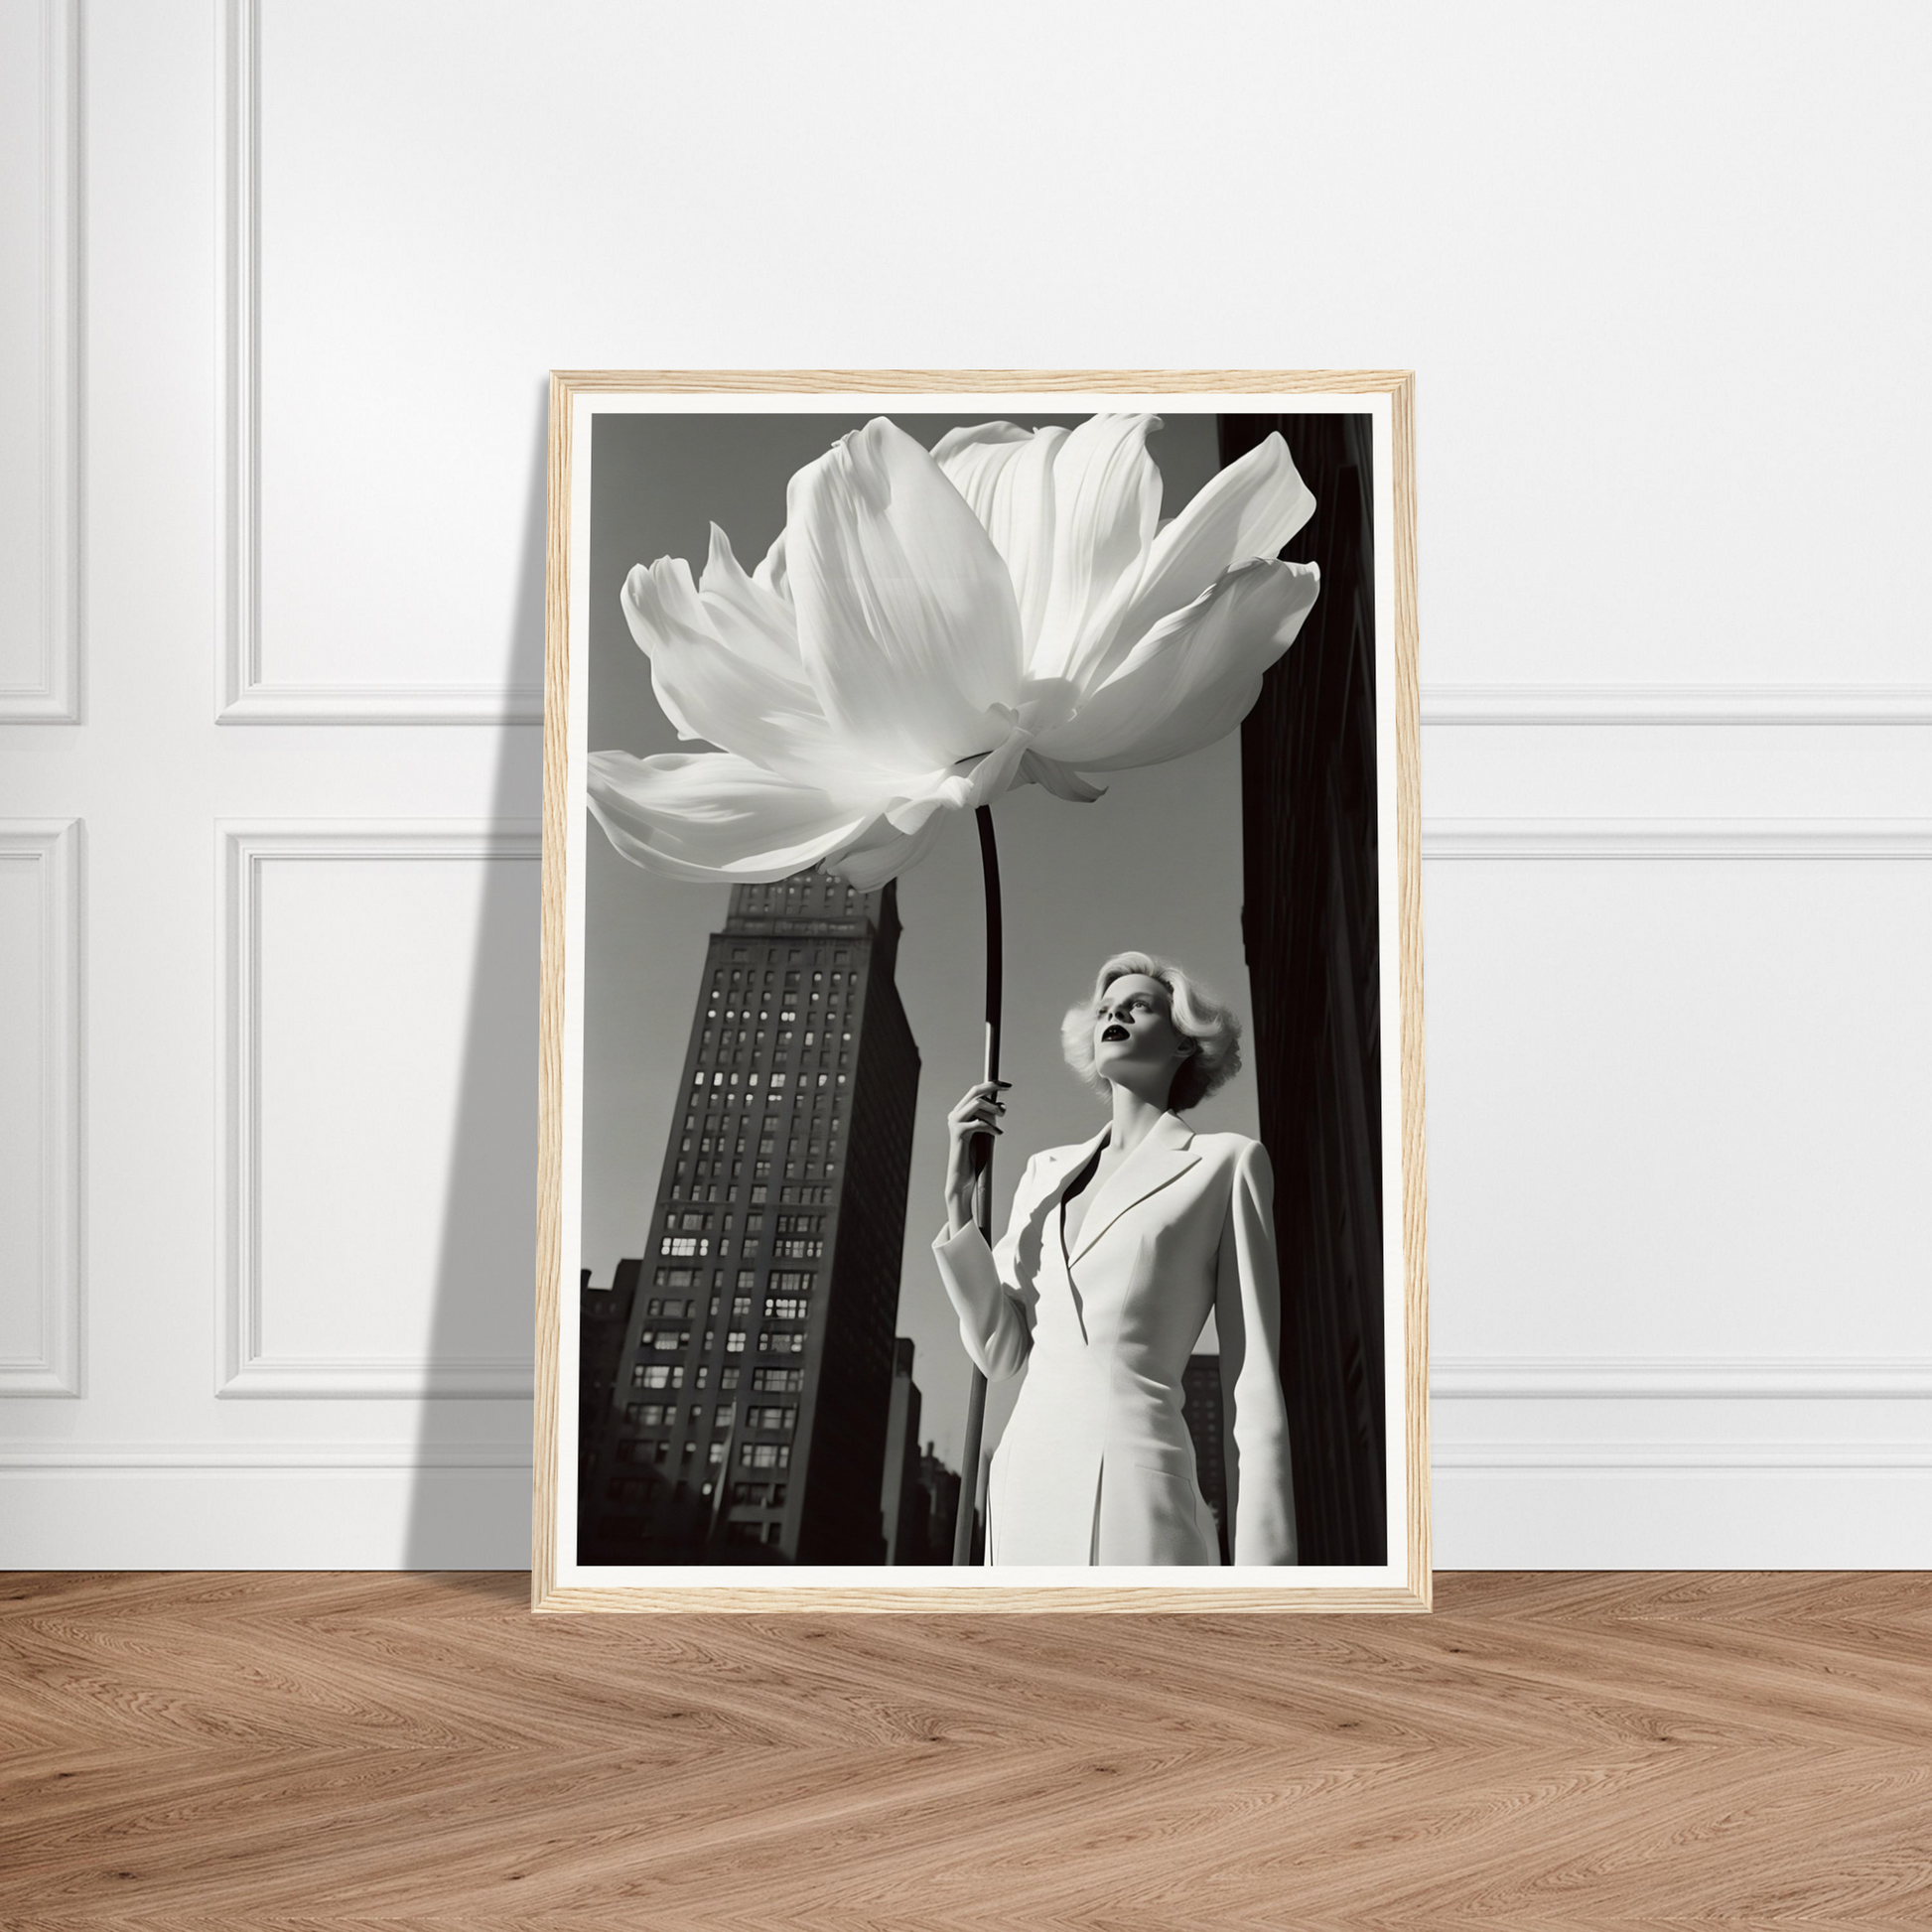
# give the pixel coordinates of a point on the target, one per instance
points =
(710, 815)
(1006, 473)
(1247, 511)
(745, 611)
(1192, 679)
(884, 853)
(771, 573)
(726, 682)
(1060, 779)
(1106, 506)
(971, 783)
(907, 625)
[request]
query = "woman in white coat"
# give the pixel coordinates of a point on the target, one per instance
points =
(1116, 1251)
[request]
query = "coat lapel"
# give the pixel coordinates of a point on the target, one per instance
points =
(1162, 1156)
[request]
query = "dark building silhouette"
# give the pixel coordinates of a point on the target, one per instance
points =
(1200, 1402)
(942, 1488)
(903, 1506)
(748, 1415)
(1309, 923)
(602, 1314)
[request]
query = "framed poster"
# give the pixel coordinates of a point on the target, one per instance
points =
(982, 1105)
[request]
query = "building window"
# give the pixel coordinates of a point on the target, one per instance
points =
(671, 1306)
(713, 1456)
(764, 1455)
(657, 1375)
(728, 1376)
(685, 1244)
(740, 1307)
(788, 1308)
(798, 1250)
(792, 1281)
(678, 1278)
(773, 1416)
(781, 1341)
(665, 1339)
(777, 1381)
(735, 1343)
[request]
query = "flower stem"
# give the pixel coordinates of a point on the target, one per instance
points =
(969, 1461)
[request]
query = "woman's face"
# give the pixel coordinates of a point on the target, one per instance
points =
(1134, 1037)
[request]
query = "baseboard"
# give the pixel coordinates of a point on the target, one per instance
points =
(340, 1515)
(1514, 1506)
(1710, 1514)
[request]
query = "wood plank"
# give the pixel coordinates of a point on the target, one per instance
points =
(287, 1751)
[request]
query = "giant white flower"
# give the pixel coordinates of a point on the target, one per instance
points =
(933, 629)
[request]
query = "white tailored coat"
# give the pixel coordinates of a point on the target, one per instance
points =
(1096, 1465)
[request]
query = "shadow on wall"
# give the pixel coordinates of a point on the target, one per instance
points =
(470, 1503)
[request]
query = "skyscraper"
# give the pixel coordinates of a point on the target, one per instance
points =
(748, 1418)
(1309, 919)
(1200, 1404)
(903, 1506)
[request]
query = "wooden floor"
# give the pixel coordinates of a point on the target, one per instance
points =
(1546, 1750)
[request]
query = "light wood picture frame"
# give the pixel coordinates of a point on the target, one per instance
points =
(1309, 867)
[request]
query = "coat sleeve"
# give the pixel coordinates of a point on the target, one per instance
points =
(1248, 1319)
(995, 1306)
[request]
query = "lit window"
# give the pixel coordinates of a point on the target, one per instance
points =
(734, 1341)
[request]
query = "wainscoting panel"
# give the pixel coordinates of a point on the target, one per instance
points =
(377, 1136)
(40, 1108)
(40, 362)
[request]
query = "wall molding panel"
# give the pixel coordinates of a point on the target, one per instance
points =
(1677, 704)
(1655, 1457)
(224, 1456)
(1457, 1380)
(52, 848)
(53, 697)
(243, 694)
(243, 1365)
(1762, 1379)
(1727, 839)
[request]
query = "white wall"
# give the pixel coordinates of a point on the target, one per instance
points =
(280, 291)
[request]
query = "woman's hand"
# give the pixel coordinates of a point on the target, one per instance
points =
(978, 1113)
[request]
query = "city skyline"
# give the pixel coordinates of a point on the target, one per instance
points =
(746, 1416)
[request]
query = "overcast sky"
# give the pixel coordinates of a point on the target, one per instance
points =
(1156, 864)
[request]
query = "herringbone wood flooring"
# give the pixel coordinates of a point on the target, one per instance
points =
(1546, 1750)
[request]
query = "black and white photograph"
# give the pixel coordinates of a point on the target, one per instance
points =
(981, 1114)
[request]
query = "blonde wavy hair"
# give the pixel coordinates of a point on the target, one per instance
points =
(1213, 1031)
